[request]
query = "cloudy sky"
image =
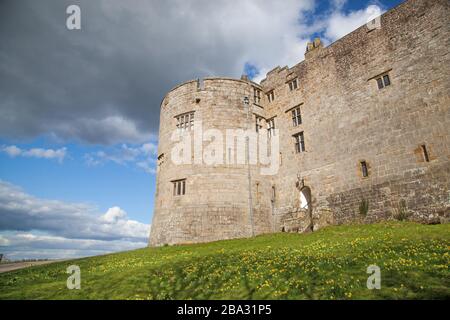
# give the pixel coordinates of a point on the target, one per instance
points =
(79, 109)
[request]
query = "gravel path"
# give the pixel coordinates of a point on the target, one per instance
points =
(5, 267)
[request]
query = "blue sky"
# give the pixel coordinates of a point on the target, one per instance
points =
(347, 7)
(79, 110)
(74, 180)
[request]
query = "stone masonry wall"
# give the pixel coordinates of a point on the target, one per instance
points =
(215, 205)
(346, 119)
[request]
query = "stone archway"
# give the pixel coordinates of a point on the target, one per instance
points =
(299, 218)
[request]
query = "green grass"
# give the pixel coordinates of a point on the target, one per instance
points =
(327, 264)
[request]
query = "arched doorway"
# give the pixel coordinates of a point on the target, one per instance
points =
(306, 204)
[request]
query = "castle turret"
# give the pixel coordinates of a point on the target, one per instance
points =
(203, 189)
(312, 48)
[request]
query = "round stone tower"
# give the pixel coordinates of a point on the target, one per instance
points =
(206, 189)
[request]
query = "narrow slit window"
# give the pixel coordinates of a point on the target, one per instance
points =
(160, 159)
(426, 157)
(364, 170)
(386, 80)
(299, 142)
(270, 96)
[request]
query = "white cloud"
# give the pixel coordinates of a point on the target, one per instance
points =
(46, 153)
(113, 215)
(36, 223)
(91, 161)
(338, 4)
(4, 241)
(146, 166)
(295, 33)
(27, 245)
(142, 157)
(149, 148)
(339, 24)
(20, 211)
(14, 151)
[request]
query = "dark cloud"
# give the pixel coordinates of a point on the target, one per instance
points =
(103, 84)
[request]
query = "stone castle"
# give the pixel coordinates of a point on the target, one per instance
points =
(363, 129)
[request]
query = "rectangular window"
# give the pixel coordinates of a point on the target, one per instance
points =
(258, 123)
(364, 170)
(383, 81)
(296, 117)
(426, 157)
(386, 80)
(256, 95)
(271, 127)
(293, 84)
(270, 96)
(380, 83)
(299, 142)
(185, 121)
(179, 187)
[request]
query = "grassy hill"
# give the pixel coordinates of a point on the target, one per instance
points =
(328, 264)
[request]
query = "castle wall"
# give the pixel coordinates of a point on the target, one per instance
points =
(346, 119)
